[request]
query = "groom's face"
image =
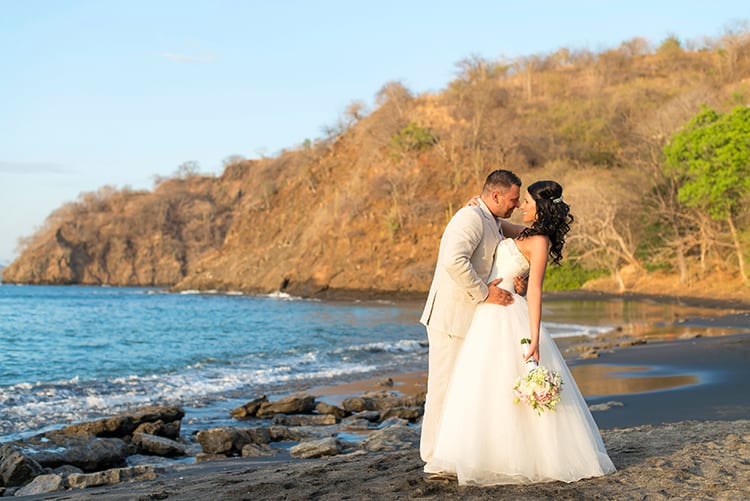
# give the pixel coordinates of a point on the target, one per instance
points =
(506, 202)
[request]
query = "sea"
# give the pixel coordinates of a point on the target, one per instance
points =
(77, 353)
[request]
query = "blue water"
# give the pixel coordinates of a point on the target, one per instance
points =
(74, 353)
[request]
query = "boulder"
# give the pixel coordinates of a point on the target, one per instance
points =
(160, 429)
(380, 401)
(356, 424)
(42, 485)
(334, 410)
(158, 446)
(280, 433)
(202, 457)
(87, 453)
(391, 438)
(17, 468)
(371, 416)
(111, 477)
(393, 421)
(294, 404)
(249, 409)
(66, 470)
(255, 450)
(328, 446)
(412, 414)
(304, 419)
(230, 441)
(123, 425)
(589, 354)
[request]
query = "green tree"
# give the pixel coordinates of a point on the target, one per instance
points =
(711, 154)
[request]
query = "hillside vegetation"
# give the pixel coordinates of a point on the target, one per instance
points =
(363, 208)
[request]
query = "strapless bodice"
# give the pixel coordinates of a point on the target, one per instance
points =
(509, 263)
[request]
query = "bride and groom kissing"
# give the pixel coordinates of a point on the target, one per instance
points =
(475, 317)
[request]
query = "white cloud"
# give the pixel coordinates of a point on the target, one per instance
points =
(22, 168)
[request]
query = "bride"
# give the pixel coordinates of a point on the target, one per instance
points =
(484, 437)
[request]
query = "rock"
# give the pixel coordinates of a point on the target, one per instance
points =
(88, 453)
(605, 406)
(371, 416)
(230, 441)
(589, 354)
(255, 450)
(328, 446)
(144, 459)
(123, 425)
(393, 421)
(160, 429)
(17, 468)
(334, 410)
(42, 485)
(110, 477)
(391, 438)
(386, 382)
(66, 470)
(412, 414)
(202, 457)
(294, 404)
(352, 423)
(304, 419)
(249, 409)
(380, 401)
(631, 342)
(158, 446)
(285, 434)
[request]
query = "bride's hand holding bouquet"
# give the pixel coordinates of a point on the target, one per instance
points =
(539, 389)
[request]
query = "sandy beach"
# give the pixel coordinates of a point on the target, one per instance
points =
(673, 411)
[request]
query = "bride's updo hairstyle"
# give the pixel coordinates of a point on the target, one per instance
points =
(553, 218)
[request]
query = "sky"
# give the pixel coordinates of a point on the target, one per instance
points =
(107, 92)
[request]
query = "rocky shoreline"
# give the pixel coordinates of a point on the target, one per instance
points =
(131, 447)
(359, 441)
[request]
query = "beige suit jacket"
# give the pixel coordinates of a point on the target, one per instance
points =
(465, 258)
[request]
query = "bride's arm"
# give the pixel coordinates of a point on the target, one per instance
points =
(511, 230)
(537, 250)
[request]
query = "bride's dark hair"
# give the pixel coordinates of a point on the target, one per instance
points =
(553, 218)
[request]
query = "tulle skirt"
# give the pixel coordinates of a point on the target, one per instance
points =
(487, 439)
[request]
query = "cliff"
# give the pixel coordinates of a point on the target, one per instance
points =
(363, 208)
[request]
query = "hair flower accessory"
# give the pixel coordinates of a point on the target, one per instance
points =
(557, 200)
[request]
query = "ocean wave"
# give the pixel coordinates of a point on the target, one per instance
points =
(401, 346)
(283, 296)
(30, 408)
(559, 330)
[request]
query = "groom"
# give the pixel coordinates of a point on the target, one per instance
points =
(465, 258)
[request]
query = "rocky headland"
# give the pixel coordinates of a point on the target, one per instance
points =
(360, 211)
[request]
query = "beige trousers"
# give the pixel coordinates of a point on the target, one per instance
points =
(444, 350)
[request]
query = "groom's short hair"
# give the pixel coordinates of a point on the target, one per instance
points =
(501, 179)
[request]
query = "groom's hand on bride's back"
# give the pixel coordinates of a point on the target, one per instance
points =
(497, 295)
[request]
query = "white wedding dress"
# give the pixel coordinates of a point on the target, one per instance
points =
(487, 439)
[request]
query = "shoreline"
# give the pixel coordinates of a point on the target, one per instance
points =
(686, 460)
(702, 422)
(365, 295)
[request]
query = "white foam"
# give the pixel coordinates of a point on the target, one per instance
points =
(401, 346)
(558, 330)
(32, 407)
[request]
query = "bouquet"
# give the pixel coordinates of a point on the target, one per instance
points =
(540, 389)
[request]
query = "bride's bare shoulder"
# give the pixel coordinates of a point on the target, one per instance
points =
(533, 244)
